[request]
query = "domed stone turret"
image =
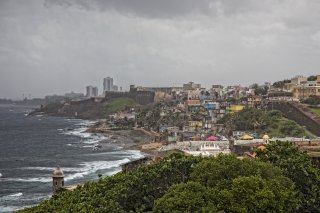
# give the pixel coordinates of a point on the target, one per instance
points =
(57, 172)
(57, 180)
(266, 139)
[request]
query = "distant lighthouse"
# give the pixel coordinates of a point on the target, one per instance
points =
(57, 180)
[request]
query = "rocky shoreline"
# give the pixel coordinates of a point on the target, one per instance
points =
(134, 139)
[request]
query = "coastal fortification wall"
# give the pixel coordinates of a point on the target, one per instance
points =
(299, 114)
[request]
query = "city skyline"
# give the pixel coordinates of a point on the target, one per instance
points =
(53, 47)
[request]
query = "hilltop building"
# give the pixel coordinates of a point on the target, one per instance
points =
(140, 96)
(191, 86)
(74, 95)
(301, 88)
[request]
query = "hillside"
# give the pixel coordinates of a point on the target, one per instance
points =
(259, 121)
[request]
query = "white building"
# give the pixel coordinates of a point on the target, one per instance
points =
(91, 91)
(108, 84)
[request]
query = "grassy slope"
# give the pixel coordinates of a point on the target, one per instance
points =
(316, 110)
(102, 110)
(275, 128)
(119, 104)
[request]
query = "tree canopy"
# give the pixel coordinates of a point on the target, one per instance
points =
(297, 166)
(188, 184)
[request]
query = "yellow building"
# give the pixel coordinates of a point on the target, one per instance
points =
(303, 92)
(254, 100)
(236, 108)
(295, 82)
(195, 123)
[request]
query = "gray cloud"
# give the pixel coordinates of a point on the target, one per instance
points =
(57, 46)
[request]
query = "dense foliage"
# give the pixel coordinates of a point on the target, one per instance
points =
(136, 191)
(260, 121)
(298, 167)
(281, 179)
(280, 84)
(312, 100)
(312, 78)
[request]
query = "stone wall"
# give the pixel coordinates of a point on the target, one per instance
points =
(132, 165)
(299, 114)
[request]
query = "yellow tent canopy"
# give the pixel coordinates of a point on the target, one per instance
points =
(246, 137)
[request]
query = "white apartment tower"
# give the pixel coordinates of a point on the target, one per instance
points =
(108, 84)
(91, 91)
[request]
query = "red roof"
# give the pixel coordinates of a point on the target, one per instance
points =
(262, 147)
(193, 102)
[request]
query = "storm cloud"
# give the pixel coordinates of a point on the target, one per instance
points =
(56, 46)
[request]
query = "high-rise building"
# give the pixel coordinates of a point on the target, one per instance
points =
(108, 84)
(94, 91)
(91, 91)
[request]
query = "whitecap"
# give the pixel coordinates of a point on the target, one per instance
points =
(85, 169)
(0, 175)
(15, 196)
(38, 179)
(94, 166)
(135, 154)
(12, 208)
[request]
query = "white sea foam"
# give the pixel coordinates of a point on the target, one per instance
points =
(80, 172)
(88, 137)
(41, 179)
(16, 195)
(11, 196)
(0, 175)
(12, 208)
(94, 166)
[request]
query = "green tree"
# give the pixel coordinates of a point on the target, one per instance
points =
(183, 197)
(255, 194)
(312, 78)
(220, 171)
(297, 166)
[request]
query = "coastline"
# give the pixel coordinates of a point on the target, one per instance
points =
(134, 139)
(82, 171)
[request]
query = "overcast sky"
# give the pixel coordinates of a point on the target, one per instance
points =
(58, 46)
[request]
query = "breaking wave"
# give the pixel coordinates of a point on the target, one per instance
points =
(85, 169)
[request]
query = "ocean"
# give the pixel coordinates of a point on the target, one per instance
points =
(32, 146)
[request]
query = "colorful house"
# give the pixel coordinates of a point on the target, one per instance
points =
(193, 105)
(236, 108)
(195, 123)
